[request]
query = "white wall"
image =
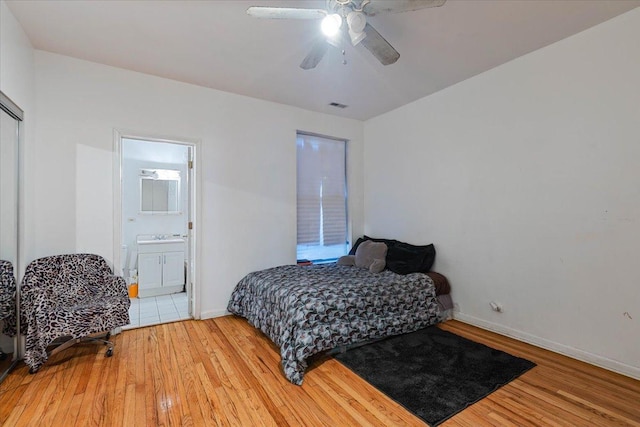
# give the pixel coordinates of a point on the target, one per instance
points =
(247, 165)
(527, 179)
(16, 60)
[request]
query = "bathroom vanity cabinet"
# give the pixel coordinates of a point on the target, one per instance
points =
(160, 267)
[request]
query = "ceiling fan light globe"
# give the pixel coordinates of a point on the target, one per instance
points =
(356, 21)
(331, 24)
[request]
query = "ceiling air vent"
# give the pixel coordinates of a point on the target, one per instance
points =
(338, 105)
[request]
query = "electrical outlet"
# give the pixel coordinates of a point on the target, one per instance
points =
(496, 306)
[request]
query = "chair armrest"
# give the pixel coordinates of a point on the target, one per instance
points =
(114, 286)
(35, 296)
(33, 300)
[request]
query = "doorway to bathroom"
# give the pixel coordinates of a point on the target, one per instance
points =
(156, 235)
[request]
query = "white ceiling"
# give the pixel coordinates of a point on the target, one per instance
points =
(215, 44)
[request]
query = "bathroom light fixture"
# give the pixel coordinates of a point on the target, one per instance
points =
(161, 174)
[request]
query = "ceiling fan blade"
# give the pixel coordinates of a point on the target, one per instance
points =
(317, 53)
(398, 6)
(379, 47)
(285, 13)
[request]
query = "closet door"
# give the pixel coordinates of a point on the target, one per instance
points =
(10, 117)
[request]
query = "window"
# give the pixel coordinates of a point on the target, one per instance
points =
(322, 198)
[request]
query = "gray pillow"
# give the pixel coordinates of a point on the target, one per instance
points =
(377, 265)
(349, 260)
(370, 252)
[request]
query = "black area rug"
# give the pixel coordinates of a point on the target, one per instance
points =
(433, 373)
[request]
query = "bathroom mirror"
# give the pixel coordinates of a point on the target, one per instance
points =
(159, 191)
(10, 117)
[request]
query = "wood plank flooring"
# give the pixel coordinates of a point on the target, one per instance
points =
(225, 372)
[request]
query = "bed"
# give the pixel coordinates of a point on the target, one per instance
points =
(307, 310)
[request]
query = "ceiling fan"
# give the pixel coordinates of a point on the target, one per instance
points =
(346, 18)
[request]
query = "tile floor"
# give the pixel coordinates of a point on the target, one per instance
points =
(155, 310)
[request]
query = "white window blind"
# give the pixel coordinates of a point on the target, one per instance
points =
(322, 197)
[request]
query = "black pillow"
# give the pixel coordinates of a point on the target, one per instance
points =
(404, 258)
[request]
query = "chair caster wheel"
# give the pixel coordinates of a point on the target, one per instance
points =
(33, 370)
(106, 338)
(109, 353)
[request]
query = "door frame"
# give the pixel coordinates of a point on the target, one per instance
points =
(194, 189)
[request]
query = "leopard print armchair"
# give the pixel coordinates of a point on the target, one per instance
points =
(71, 296)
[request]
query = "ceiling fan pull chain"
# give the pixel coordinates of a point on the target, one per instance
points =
(344, 57)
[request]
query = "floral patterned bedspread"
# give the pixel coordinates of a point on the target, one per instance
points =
(306, 310)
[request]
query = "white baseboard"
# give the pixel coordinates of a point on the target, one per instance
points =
(594, 359)
(213, 313)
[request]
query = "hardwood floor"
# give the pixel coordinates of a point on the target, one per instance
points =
(224, 372)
